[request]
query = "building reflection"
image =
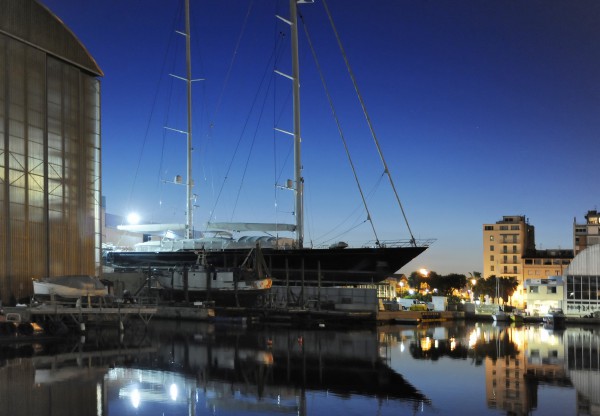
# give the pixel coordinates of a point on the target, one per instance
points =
(517, 360)
(536, 357)
(188, 368)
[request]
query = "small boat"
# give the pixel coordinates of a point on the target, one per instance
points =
(555, 318)
(500, 316)
(517, 316)
(72, 287)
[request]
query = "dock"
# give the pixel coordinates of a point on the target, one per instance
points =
(56, 318)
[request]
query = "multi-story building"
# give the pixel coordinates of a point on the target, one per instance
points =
(588, 234)
(540, 264)
(504, 244)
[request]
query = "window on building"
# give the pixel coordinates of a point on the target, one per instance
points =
(533, 289)
(504, 249)
(505, 259)
(514, 227)
(515, 238)
(551, 289)
(528, 261)
(491, 248)
(489, 228)
(594, 288)
(514, 249)
(514, 259)
(515, 269)
(491, 268)
(505, 269)
(503, 227)
(492, 257)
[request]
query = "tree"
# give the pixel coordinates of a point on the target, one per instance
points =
(496, 287)
(485, 287)
(508, 285)
(446, 285)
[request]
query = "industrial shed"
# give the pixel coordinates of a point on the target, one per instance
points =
(49, 150)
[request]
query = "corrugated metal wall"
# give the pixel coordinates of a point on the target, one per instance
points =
(49, 168)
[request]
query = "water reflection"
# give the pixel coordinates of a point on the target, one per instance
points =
(191, 369)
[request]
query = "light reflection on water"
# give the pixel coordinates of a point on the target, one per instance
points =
(198, 369)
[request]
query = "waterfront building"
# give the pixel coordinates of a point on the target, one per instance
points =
(543, 294)
(582, 295)
(49, 150)
(588, 234)
(504, 244)
(542, 287)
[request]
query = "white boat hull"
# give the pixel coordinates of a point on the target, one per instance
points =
(69, 287)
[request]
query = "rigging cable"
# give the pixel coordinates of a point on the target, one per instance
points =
(337, 121)
(153, 108)
(237, 146)
(368, 119)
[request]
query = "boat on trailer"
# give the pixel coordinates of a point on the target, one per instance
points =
(202, 281)
(70, 287)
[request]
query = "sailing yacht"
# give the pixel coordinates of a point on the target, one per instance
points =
(285, 257)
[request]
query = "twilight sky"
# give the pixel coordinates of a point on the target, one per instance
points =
(482, 109)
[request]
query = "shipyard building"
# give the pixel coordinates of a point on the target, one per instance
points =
(49, 150)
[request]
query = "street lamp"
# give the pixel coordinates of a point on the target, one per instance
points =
(473, 283)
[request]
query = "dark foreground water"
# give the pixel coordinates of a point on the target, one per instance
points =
(205, 369)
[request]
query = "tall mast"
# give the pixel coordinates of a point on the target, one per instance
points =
(298, 179)
(189, 226)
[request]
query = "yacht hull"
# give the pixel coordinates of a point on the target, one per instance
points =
(336, 266)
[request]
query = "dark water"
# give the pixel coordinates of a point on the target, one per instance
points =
(205, 369)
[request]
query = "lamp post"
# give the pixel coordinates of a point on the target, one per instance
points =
(473, 283)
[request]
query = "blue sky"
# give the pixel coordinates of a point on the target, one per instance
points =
(483, 109)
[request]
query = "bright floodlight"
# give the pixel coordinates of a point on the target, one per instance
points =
(424, 272)
(133, 218)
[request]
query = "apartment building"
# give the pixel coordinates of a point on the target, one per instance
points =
(588, 234)
(504, 244)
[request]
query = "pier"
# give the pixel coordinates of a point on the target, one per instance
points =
(56, 318)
